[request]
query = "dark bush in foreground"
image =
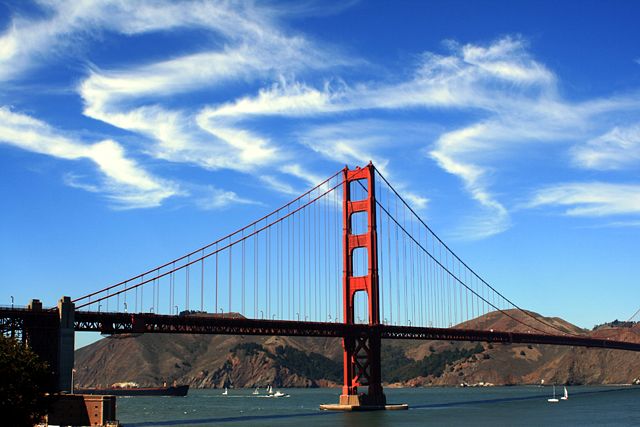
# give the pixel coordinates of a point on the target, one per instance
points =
(23, 377)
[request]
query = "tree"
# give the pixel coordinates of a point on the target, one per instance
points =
(23, 378)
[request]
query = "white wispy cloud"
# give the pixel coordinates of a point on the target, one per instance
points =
(507, 60)
(501, 79)
(180, 136)
(511, 98)
(132, 98)
(347, 143)
(517, 95)
(279, 185)
(416, 201)
(519, 99)
(623, 224)
(213, 198)
(125, 182)
(617, 149)
(30, 41)
(306, 175)
(249, 45)
(590, 199)
(285, 98)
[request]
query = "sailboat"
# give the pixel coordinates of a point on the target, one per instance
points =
(269, 389)
(553, 399)
(225, 392)
(566, 394)
(278, 393)
(256, 392)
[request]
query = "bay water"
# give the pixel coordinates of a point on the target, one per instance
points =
(441, 406)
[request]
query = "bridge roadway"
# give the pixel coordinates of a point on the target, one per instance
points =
(136, 323)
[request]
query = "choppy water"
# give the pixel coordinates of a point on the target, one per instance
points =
(513, 406)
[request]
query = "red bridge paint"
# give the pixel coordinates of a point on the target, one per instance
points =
(361, 351)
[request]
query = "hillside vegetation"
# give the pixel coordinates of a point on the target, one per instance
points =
(236, 361)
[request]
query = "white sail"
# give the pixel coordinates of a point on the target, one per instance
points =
(553, 399)
(566, 394)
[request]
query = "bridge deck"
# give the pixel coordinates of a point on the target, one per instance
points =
(124, 323)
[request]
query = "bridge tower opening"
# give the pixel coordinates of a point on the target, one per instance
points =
(361, 349)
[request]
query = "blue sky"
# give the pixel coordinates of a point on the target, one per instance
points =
(133, 133)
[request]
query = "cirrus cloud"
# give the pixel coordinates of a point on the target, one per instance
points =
(590, 199)
(124, 181)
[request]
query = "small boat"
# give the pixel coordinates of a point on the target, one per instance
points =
(566, 394)
(225, 392)
(279, 394)
(553, 399)
(269, 389)
(256, 392)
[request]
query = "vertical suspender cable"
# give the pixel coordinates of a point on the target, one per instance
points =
(256, 242)
(243, 276)
(397, 255)
(389, 260)
(202, 281)
(267, 269)
(187, 285)
(216, 299)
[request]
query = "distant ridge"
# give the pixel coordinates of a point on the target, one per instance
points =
(205, 361)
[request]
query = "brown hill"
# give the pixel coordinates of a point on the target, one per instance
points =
(206, 361)
(218, 361)
(529, 364)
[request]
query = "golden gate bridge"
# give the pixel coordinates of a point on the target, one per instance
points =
(349, 258)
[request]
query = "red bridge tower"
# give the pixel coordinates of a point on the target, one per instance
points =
(361, 350)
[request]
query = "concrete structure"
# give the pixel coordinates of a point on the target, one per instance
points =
(83, 410)
(66, 312)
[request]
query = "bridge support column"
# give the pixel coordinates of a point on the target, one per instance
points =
(66, 341)
(361, 350)
(362, 368)
(40, 335)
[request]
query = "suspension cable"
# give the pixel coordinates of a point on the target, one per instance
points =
(212, 243)
(217, 250)
(463, 263)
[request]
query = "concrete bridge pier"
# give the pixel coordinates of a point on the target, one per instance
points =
(51, 336)
(66, 342)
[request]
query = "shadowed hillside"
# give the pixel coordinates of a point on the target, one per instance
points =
(234, 361)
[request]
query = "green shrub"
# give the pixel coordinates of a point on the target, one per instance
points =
(23, 378)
